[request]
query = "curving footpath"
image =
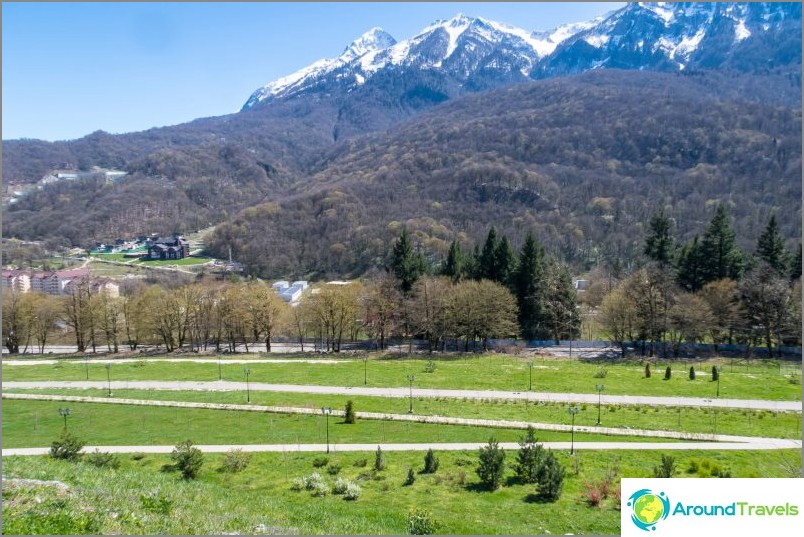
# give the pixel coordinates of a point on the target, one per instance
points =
(759, 444)
(225, 385)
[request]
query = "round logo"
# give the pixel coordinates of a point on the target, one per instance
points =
(648, 508)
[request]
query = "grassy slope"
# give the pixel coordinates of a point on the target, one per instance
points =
(259, 499)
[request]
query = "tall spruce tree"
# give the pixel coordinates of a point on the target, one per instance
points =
(504, 262)
(721, 256)
(487, 261)
(406, 264)
(455, 264)
(689, 271)
(530, 289)
(562, 298)
(771, 250)
(659, 245)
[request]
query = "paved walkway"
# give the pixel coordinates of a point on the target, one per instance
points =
(468, 446)
(777, 443)
(228, 386)
(224, 361)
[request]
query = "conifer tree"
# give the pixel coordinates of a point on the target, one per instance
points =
(659, 245)
(719, 252)
(487, 268)
(770, 248)
(455, 264)
(529, 289)
(406, 264)
(504, 262)
(689, 272)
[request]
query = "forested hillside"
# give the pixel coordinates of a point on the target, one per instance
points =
(584, 161)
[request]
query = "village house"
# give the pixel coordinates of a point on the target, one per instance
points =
(168, 248)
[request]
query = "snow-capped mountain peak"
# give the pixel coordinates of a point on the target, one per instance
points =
(374, 39)
(467, 53)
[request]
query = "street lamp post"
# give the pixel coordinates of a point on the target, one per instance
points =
(410, 382)
(572, 410)
(247, 372)
(718, 381)
(327, 411)
(64, 412)
(530, 375)
(599, 388)
(108, 367)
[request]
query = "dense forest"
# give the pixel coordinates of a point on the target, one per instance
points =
(582, 161)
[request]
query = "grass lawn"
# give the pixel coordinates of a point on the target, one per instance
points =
(140, 498)
(696, 420)
(38, 423)
(483, 372)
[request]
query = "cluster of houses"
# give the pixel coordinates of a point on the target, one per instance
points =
(148, 247)
(288, 292)
(58, 282)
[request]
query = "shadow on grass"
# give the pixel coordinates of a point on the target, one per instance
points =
(477, 487)
(536, 498)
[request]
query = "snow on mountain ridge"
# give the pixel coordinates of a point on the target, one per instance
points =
(376, 49)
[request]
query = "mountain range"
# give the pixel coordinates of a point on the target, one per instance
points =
(716, 80)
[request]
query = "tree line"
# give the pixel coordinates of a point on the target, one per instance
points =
(708, 289)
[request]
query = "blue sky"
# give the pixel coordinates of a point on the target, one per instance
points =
(73, 68)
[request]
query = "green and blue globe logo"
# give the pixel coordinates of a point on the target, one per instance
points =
(648, 508)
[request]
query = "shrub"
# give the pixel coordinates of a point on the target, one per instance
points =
(667, 467)
(430, 367)
(379, 460)
(67, 447)
(692, 373)
(667, 373)
(715, 373)
(235, 461)
(361, 463)
(491, 464)
(340, 486)
(463, 461)
(297, 484)
(601, 373)
(312, 481)
(529, 458)
(157, 503)
(137, 456)
(550, 478)
(647, 371)
(592, 494)
(349, 414)
(103, 460)
(430, 462)
(187, 459)
(334, 469)
(420, 522)
(320, 489)
(410, 479)
(352, 492)
(319, 462)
